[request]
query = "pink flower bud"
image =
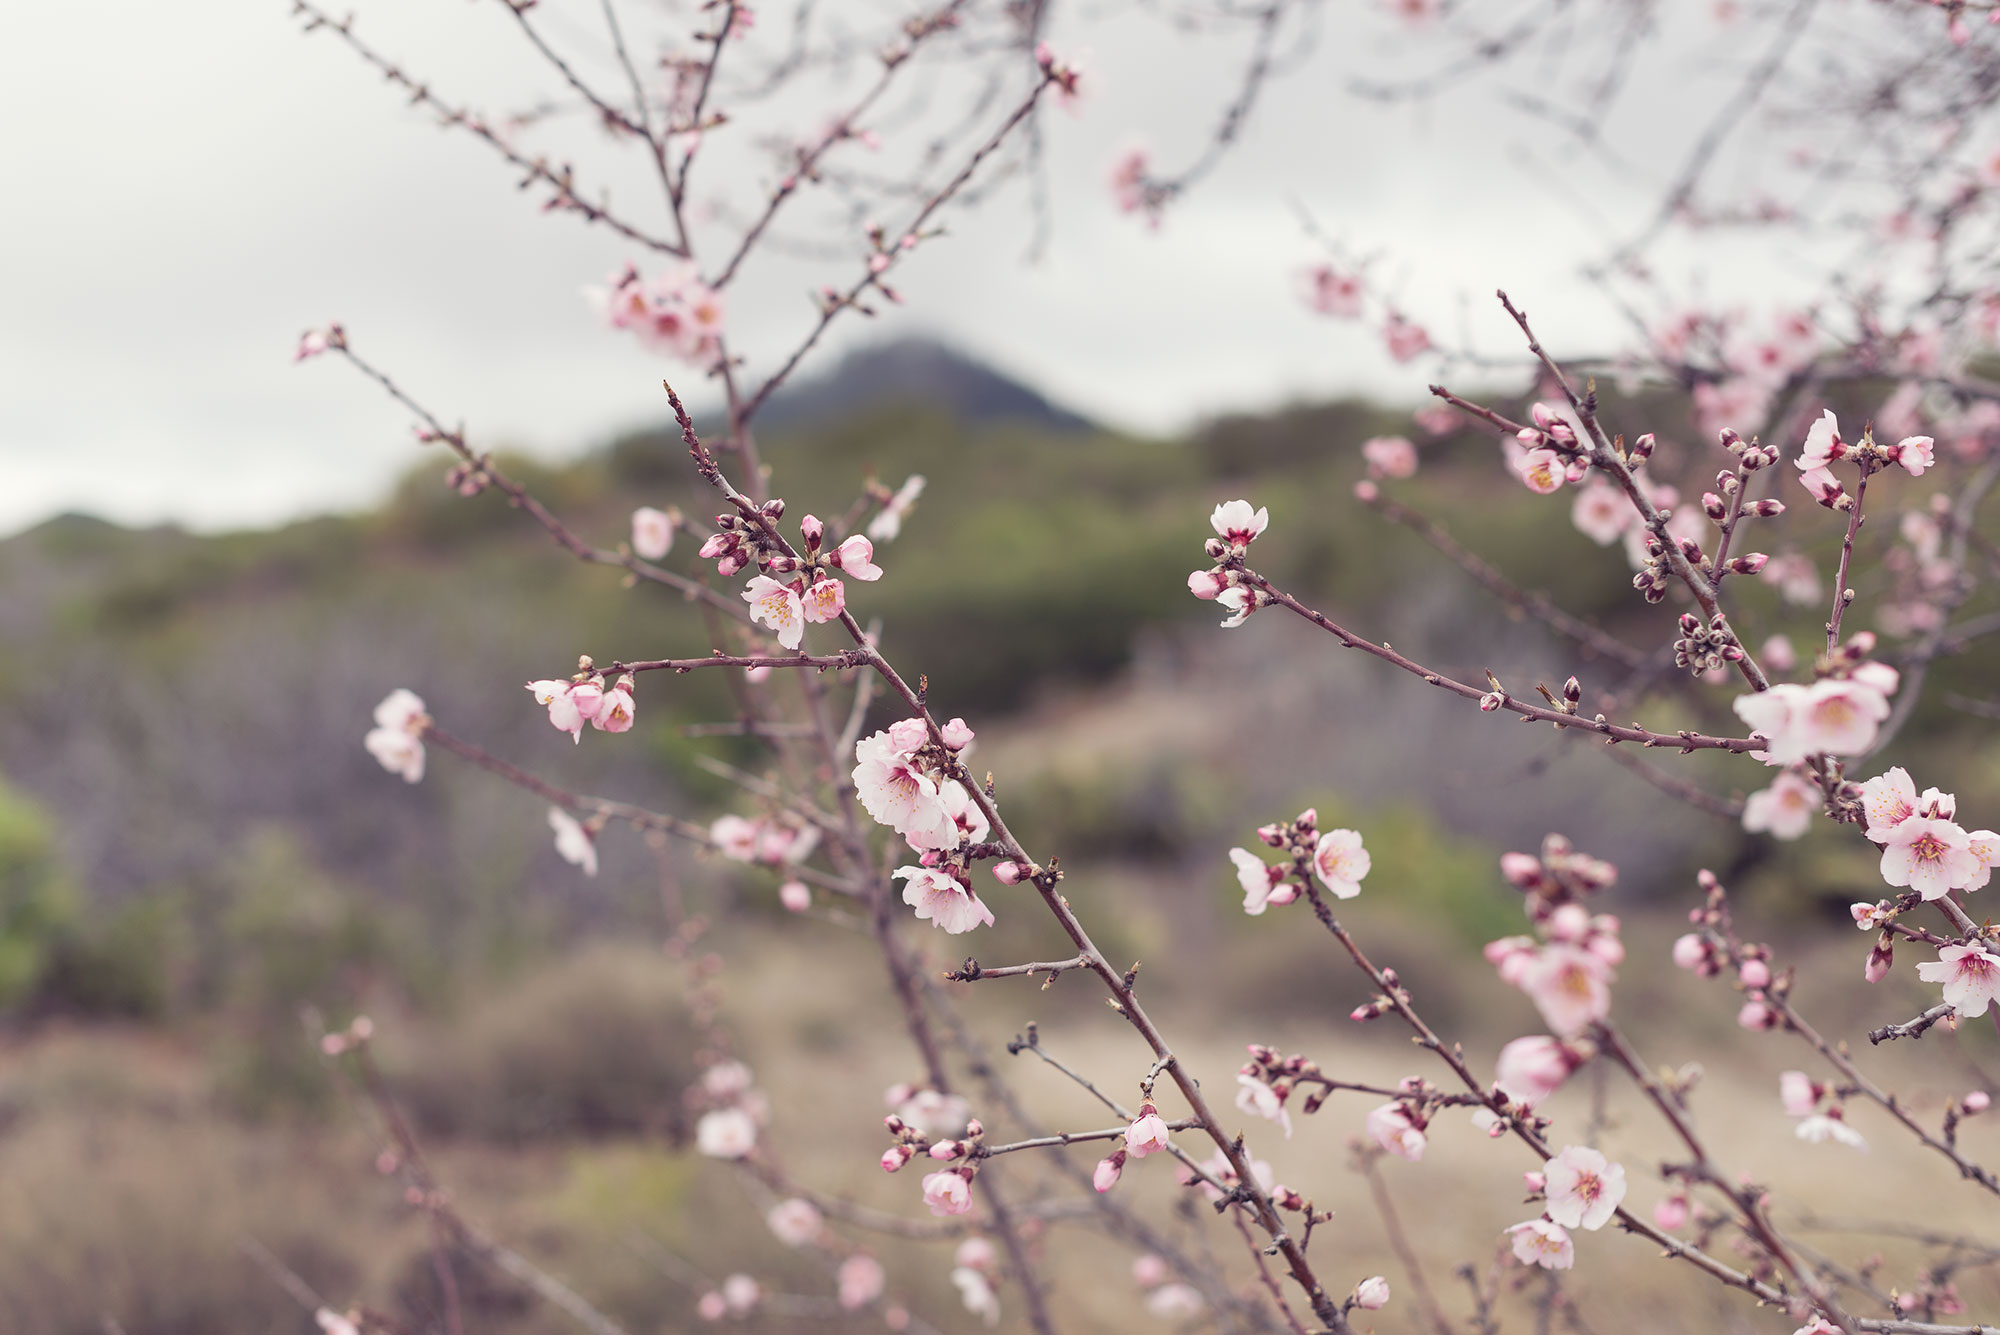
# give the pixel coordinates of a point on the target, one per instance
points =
(1671, 1214)
(812, 530)
(1106, 1175)
(795, 896)
(712, 1307)
(1756, 1015)
(1535, 1182)
(957, 735)
(1008, 873)
(1149, 1271)
(1755, 973)
(1978, 1101)
(947, 1150)
(1690, 952)
(1571, 922)
(907, 736)
(1372, 1294)
(1522, 870)
(1207, 583)
(856, 557)
(895, 1157)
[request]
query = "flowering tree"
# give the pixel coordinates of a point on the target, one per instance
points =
(893, 825)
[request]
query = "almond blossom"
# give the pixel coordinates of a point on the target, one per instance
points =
(1835, 716)
(779, 607)
(726, 1133)
(1823, 444)
(1541, 470)
(824, 601)
(1148, 1133)
(1332, 292)
(1237, 524)
(1390, 456)
(1371, 1294)
(652, 533)
(1601, 512)
(573, 841)
(856, 557)
(1260, 1100)
(1570, 986)
(1971, 978)
(615, 710)
(1584, 1188)
(1798, 1093)
(396, 740)
(943, 899)
(1530, 1069)
(1929, 856)
(566, 711)
(1818, 1128)
(887, 525)
(1395, 1131)
(1404, 338)
(795, 1221)
(1240, 601)
(948, 1193)
(1785, 809)
(860, 1279)
(1263, 883)
(1340, 862)
(1544, 1243)
(1888, 800)
(898, 793)
(976, 1292)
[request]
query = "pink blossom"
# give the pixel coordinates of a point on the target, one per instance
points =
(1795, 1091)
(1929, 856)
(943, 899)
(1835, 716)
(1671, 1214)
(1530, 1069)
(712, 1306)
(1976, 1102)
(1913, 453)
(1147, 1134)
(615, 710)
(907, 736)
(1778, 654)
(740, 1293)
(1785, 809)
(1818, 1128)
(565, 712)
(1404, 338)
(726, 1133)
(1601, 512)
(887, 525)
(1237, 524)
(311, 344)
(779, 607)
(1984, 845)
(795, 1221)
(1207, 584)
(1584, 1188)
(727, 1080)
(856, 556)
(1888, 800)
(573, 842)
(1823, 486)
(652, 533)
(957, 736)
(1394, 1131)
(948, 1193)
(1332, 292)
(976, 1253)
(1512, 957)
(396, 740)
(1149, 1271)
(1341, 862)
(1971, 978)
(1541, 470)
(1390, 456)
(1260, 1100)
(735, 838)
(1540, 1242)
(1009, 873)
(861, 1279)
(1108, 1171)
(1175, 1302)
(1571, 988)
(824, 601)
(900, 795)
(1823, 444)
(1263, 883)
(1240, 602)
(1128, 179)
(1371, 1294)
(795, 896)
(1691, 951)
(976, 1292)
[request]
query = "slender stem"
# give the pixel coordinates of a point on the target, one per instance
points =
(1843, 595)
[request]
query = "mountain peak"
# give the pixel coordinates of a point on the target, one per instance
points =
(918, 369)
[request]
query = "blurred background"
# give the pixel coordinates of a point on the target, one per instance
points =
(217, 563)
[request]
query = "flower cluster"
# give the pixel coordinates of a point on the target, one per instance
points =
(1839, 714)
(1824, 445)
(1567, 968)
(805, 587)
(1801, 1095)
(938, 1127)
(1336, 857)
(770, 842)
(1581, 1189)
(673, 313)
(735, 1110)
(1923, 847)
(1236, 526)
(906, 780)
(397, 739)
(585, 699)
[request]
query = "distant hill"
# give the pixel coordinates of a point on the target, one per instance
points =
(920, 370)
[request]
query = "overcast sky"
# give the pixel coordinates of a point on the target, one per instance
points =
(191, 185)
